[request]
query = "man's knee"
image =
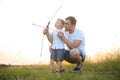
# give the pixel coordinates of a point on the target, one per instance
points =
(74, 53)
(77, 58)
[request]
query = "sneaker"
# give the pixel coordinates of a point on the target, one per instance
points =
(76, 69)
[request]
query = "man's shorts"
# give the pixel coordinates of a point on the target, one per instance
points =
(68, 58)
(57, 54)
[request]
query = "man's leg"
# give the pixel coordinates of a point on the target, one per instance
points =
(75, 55)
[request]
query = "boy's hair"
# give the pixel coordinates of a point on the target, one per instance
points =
(62, 21)
(72, 20)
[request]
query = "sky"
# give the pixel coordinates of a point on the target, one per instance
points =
(20, 41)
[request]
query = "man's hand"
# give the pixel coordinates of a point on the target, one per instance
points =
(45, 31)
(60, 35)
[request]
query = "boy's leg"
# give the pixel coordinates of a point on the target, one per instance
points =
(52, 57)
(60, 56)
(59, 66)
(51, 64)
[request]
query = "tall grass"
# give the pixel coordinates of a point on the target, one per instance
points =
(107, 68)
(105, 63)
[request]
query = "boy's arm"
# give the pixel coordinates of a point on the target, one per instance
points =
(49, 37)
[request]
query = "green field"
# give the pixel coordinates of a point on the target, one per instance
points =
(108, 68)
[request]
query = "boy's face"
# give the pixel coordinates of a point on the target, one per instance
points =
(59, 24)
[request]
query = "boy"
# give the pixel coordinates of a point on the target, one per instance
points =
(57, 51)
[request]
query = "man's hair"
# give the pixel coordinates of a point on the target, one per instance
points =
(72, 20)
(62, 21)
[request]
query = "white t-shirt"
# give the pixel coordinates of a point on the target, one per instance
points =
(78, 35)
(57, 42)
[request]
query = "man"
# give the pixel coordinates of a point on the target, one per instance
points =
(75, 43)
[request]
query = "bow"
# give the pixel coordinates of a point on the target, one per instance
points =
(48, 27)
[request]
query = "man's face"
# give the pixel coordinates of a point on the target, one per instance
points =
(68, 25)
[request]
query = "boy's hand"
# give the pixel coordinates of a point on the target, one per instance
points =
(60, 35)
(45, 31)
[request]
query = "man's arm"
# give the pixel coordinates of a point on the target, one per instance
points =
(71, 45)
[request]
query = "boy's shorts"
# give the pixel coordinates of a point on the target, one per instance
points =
(68, 58)
(57, 54)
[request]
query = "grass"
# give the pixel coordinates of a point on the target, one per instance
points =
(107, 68)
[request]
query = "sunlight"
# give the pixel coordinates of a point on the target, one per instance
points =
(105, 55)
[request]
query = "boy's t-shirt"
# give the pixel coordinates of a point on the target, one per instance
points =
(57, 42)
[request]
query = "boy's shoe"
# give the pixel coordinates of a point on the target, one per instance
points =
(76, 69)
(60, 70)
(51, 70)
